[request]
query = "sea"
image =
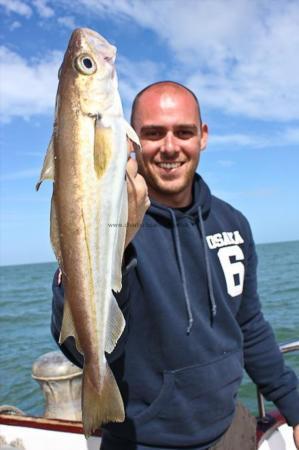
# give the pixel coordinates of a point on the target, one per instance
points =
(25, 311)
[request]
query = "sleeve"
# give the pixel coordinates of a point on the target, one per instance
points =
(68, 347)
(264, 362)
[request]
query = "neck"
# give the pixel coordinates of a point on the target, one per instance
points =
(172, 200)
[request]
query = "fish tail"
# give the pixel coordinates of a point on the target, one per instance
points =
(102, 403)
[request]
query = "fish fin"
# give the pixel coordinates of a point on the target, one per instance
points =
(115, 325)
(54, 233)
(102, 403)
(102, 148)
(131, 133)
(68, 327)
(48, 170)
(120, 241)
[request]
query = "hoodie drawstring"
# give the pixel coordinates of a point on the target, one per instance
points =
(182, 270)
(178, 250)
(207, 261)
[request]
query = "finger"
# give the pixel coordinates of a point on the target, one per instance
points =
(140, 184)
(130, 146)
(132, 168)
(147, 202)
(136, 148)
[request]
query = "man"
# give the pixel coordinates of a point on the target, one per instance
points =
(191, 304)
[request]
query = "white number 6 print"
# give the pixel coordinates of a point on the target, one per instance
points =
(233, 271)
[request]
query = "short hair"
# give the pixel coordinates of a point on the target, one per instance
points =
(157, 83)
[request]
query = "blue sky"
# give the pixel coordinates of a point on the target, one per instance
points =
(239, 56)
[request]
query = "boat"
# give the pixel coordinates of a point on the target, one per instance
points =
(273, 433)
(22, 432)
(33, 433)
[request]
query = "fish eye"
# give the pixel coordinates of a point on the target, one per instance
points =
(85, 64)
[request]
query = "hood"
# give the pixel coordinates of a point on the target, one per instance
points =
(201, 198)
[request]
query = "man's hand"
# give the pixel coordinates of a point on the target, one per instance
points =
(138, 200)
(296, 436)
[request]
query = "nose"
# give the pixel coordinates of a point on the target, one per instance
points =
(170, 145)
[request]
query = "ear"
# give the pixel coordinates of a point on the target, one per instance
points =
(204, 136)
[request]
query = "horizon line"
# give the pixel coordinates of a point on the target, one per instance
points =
(54, 261)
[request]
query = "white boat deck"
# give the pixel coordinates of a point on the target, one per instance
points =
(34, 433)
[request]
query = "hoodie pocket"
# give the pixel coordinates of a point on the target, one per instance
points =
(162, 399)
(195, 397)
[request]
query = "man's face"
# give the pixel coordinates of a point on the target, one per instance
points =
(168, 125)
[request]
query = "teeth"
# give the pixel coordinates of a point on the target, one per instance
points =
(169, 165)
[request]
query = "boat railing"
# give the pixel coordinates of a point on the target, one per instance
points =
(286, 347)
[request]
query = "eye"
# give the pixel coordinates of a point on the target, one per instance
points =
(85, 64)
(185, 133)
(153, 134)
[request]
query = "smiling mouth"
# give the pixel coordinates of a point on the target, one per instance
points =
(169, 165)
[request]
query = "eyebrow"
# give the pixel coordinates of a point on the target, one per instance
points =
(161, 127)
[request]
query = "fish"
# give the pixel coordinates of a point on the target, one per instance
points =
(86, 159)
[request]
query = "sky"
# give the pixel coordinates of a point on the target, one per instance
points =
(240, 57)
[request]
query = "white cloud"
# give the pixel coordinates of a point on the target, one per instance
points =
(16, 6)
(67, 21)
(43, 9)
(291, 135)
(242, 54)
(15, 25)
(134, 76)
(237, 139)
(22, 8)
(288, 136)
(27, 87)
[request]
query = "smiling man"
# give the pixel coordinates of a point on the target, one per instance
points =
(189, 296)
(167, 120)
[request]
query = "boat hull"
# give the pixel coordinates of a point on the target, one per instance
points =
(273, 434)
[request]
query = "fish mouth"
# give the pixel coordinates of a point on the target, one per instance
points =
(95, 116)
